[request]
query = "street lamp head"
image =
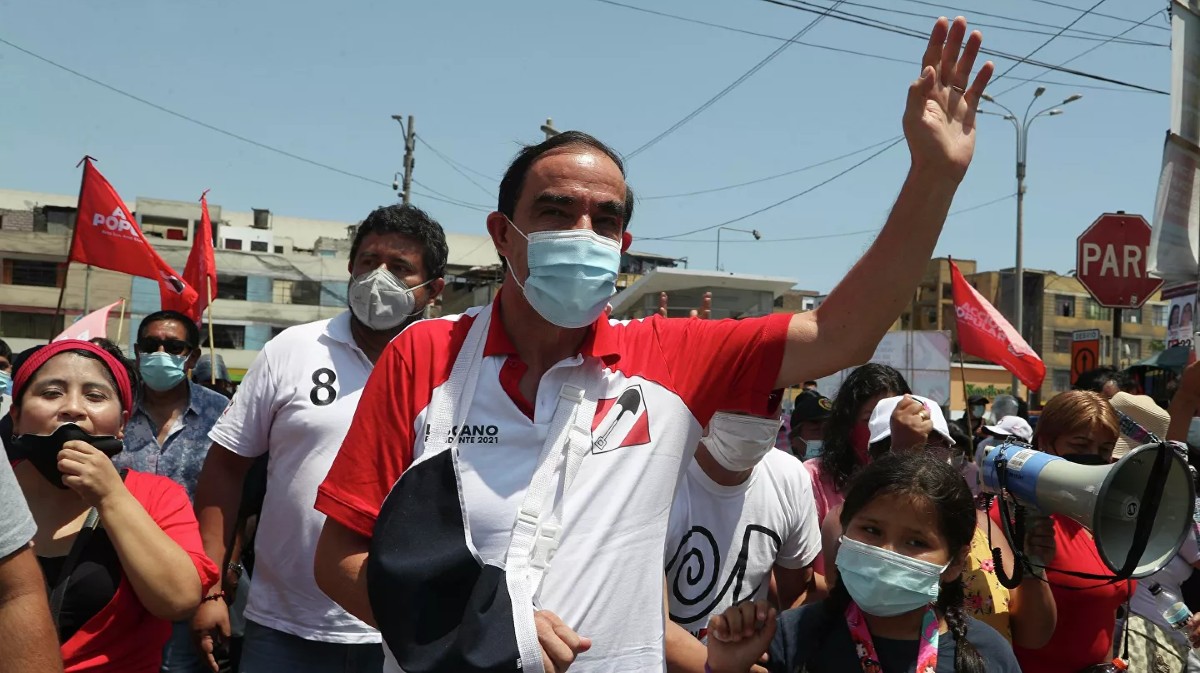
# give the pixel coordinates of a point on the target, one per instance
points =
(396, 182)
(1054, 112)
(1039, 91)
(1010, 118)
(757, 235)
(988, 98)
(1072, 98)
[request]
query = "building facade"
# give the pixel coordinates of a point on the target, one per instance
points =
(273, 271)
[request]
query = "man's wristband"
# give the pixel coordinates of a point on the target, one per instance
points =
(212, 597)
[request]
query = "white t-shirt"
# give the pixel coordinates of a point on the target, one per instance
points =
(723, 541)
(1174, 574)
(662, 380)
(295, 403)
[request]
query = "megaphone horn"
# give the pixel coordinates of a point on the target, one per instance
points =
(1139, 509)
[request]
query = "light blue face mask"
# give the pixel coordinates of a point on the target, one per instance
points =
(572, 275)
(161, 371)
(5, 383)
(884, 583)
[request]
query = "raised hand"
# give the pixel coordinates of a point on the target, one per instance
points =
(939, 120)
(662, 304)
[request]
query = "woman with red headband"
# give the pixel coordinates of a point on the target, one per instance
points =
(121, 551)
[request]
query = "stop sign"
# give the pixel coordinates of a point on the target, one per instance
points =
(1110, 261)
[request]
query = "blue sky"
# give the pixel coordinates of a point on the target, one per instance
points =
(321, 80)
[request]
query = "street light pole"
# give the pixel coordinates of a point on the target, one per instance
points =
(753, 232)
(1022, 128)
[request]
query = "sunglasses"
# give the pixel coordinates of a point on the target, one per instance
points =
(172, 346)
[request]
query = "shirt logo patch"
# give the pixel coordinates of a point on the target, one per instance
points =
(621, 421)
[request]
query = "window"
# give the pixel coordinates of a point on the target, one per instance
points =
(233, 244)
(1094, 311)
(228, 336)
(29, 272)
(1158, 315)
(1062, 379)
(19, 325)
(231, 287)
(258, 246)
(276, 331)
(1132, 348)
(279, 250)
(1062, 342)
(303, 292)
(1064, 306)
(1132, 316)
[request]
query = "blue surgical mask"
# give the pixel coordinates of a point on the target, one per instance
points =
(161, 371)
(5, 383)
(572, 275)
(884, 583)
(813, 448)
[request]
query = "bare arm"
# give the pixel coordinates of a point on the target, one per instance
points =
(792, 584)
(160, 571)
(30, 643)
(1032, 612)
(685, 654)
(218, 495)
(341, 569)
(939, 124)
(1184, 404)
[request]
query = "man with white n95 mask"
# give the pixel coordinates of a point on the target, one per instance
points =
(295, 404)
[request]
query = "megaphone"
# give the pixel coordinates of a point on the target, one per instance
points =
(1106, 499)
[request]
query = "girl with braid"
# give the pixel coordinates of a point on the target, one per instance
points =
(897, 605)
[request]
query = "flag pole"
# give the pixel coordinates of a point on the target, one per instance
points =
(62, 292)
(962, 369)
(121, 322)
(212, 347)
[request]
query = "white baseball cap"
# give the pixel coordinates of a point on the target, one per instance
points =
(880, 424)
(1010, 426)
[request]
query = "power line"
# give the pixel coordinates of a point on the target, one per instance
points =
(1087, 35)
(458, 170)
(231, 134)
(722, 93)
(840, 234)
(1048, 41)
(1083, 53)
(780, 202)
(811, 8)
(1079, 9)
(891, 59)
(976, 12)
(769, 177)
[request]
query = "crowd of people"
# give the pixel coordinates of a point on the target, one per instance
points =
(532, 486)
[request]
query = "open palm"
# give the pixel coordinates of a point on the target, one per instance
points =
(939, 120)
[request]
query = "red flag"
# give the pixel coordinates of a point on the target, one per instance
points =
(983, 332)
(90, 326)
(201, 267)
(106, 236)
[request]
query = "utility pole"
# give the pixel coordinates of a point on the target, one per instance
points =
(410, 144)
(1021, 124)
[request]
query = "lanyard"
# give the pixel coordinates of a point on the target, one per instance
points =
(865, 647)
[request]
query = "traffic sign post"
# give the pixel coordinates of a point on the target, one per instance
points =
(1110, 261)
(1085, 352)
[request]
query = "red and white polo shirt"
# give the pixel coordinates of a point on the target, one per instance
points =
(663, 380)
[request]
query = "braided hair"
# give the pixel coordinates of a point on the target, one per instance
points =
(922, 475)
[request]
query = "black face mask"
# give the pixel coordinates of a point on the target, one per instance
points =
(1084, 458)
(42, 450)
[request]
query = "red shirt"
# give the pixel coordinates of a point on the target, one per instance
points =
(1087, 611)
(124, 637)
